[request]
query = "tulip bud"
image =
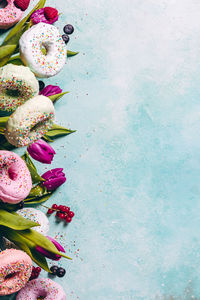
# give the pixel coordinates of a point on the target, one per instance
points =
(53, 179)
(49, 254)
(50, 90)
(41, 151)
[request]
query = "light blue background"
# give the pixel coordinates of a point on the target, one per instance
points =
(132, 167)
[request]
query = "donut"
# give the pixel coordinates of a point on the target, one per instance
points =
(15, 178)
(15, 271)
(10, 15)
(30, 121)
(36, 216)
(17, 85)
(41, 288)
(31, 43)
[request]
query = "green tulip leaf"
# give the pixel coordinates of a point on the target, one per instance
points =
(56, 97)
(47, 139)
(3, 121)
(33, 171)
(19, 25)
(57, 131)
(71, 53)
(17, 222)
(6, 50)
(37, 200)
(40, 240)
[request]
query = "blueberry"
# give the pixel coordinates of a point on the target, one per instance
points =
(68, 29)
(65, 38)
(60, 272)
(54, 270)
(20, 205)
(41, 85)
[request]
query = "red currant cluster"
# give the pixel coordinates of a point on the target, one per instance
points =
(35, 272)
(62, 212)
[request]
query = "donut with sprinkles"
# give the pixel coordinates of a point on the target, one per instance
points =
(15, 178)
(15, 271)
(41, 288)
(39, 38)
(17, 85)
(10, 15)
(30, 121)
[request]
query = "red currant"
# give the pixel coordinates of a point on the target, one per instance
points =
(60, 207)
(50, 211)
(61, 216)
(65, 209)
(71, 214)
(54, 206)
(68, 219)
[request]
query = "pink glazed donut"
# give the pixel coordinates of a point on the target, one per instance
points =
(15, 271)
(44, 288)
(15, 178)
(9, 15)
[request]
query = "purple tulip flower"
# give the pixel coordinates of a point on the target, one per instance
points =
(49, 254)
(47, 15)
(50, 90)
(41, 151)
(53, 179)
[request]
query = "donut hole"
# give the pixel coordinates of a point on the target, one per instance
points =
(13, 93)
(3, 4)
(42, 295)
(12, 174)
(44, 48)
(11, 275)
(36, 126)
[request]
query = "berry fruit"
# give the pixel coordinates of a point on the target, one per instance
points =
(54, 206)
(60, 272)
(21, 4)
(65, 209)
(68, 219)
(71, 214)
(50, 211)
(65, 38)
(54, 269)
(68, 29)
(41, 85)
(62, 216)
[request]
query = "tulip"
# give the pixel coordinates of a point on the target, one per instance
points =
(49, 254)
(53, 179)
(41, 151)
(47, 15)
(50, 90)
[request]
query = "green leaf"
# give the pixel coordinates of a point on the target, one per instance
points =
(33, 171)
(37, 200)
(6, 50)
(41, 241)
(71, 53)
(57, 131)
(3, 121)
(17, 222)
(46, 138)
(56, 97)
(19, 25)
(15, 60)
(27, 246)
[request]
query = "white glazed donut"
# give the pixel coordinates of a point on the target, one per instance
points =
(17, 85)
(36, 216)
(41, 288)
(31, 43)
(30, 121)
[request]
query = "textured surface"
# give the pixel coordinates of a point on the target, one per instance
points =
(132, 166)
